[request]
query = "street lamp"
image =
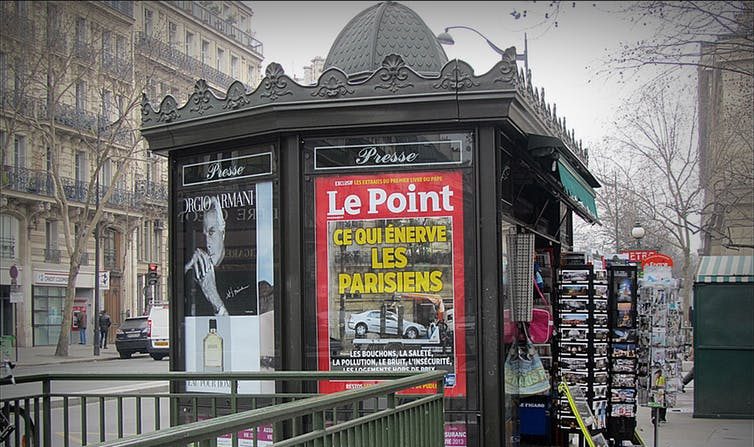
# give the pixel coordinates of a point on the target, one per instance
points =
(638, 232)
(446, 39)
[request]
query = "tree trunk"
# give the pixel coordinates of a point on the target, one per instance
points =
(70, 296)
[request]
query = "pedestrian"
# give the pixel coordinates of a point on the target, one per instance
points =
(104, 327)
(82, 328)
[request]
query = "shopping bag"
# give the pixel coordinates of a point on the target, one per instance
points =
(524, 373)
(542, 323)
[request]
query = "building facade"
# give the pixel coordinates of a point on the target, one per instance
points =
(726, 136)
(72, 75)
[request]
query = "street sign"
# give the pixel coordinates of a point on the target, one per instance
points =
(16, 297)
(104, 280)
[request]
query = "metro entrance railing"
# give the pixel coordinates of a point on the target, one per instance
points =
(386, 413)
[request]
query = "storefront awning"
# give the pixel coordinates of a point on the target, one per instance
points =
(576, 187)
(725, 269)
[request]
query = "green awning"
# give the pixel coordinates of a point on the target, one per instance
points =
(725, 269)
(577, 187)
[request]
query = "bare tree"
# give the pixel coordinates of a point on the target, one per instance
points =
(655, 167)
(60, 78)
(677, 32)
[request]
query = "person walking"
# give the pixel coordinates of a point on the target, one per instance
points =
(82, 328)
(104, 327)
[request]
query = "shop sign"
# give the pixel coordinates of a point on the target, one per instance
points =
(657, 260)
(51, 278)
(360, 156)
(639, 255)
(390, 276)
(227, 169)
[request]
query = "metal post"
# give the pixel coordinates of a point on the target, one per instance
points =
(96, 276)
(656, 412)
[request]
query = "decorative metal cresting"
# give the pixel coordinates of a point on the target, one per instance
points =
(393, 78)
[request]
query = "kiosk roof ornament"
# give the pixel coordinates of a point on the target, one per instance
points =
(422, 73)
(380, 30)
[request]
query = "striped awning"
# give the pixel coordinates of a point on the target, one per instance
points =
(725, 269)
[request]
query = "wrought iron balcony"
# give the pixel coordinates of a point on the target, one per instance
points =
(151, 192)
(123, 7)
(155, 48)
(224, 26)
(7, 248)
(41, 183)
(26, 180)
(52, 255)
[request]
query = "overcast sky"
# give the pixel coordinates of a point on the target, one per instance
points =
(564, 60)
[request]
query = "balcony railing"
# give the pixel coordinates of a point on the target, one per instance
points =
(150, 191)
(123, 7)
(26, 180)
(7, 248)
(52, 255)
(223, 26)
(156, 48)
(40, 182)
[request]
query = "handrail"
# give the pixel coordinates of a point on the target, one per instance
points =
(295, 417)
(231, 423)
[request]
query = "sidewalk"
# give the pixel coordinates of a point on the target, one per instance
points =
(683, 430)
(45, 355)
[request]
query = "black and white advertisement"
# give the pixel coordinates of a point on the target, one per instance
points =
(225, 226)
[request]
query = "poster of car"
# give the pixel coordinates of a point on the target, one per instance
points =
(389, 257)
(224, 244)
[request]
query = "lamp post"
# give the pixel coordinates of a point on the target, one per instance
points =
(446, 39)
(638, 232)
(96, 275)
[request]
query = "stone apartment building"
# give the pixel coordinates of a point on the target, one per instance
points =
(71, 78)
(726, 141)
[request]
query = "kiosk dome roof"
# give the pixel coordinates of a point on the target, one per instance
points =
(380, 30)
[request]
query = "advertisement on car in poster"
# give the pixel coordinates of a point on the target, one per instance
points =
(225, 223)
(389, 250)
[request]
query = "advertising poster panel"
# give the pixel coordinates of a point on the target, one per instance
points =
(225, 250)
(390, 289)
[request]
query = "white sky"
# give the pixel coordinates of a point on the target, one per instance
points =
(564, 60)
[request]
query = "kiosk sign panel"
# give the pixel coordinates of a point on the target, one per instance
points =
(225, 257)
(389, 259)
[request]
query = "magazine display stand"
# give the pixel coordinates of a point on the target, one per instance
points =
(660, 343)
(622, 298)
(582, 342)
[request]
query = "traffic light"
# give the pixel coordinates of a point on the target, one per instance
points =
(152, 275)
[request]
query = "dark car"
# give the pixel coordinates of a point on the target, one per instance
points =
(132, 336)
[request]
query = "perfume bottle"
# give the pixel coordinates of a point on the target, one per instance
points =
(213, 349)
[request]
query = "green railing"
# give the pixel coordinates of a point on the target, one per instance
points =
(383, 414)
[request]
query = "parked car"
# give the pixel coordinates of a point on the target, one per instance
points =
(131, 337)
(158, 323)
(369, 321)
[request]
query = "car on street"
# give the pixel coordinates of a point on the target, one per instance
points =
(158, 323)
(369, 321)
(132, 336)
